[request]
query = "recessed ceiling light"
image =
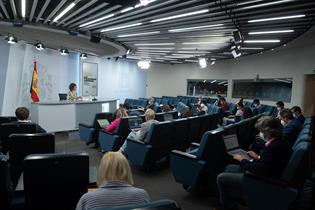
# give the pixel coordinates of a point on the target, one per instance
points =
(144, 64)
(39, 46)
(202, 63)
(201, 43)
(126, 9)
(276, 18)
(96, 20)
(270, 32)
(180, 16)
(249, 2)
(12, 40)
(23, 5)
(155, 44)
(156, 48)
(262, 41)
(252, 48)
(120, 27)
(139, 34)
(64, 52)
(83, 56)
(193, 28)
(64, 12)
(266, 4)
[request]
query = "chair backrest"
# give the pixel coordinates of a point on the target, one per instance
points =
(6, 190)
(154, 205)
(7, 119)
(122, 128)
(9, 128)
(194, 130)
(179, 134)
(159, 117)
(159, 135)
(55, 181)
(105, 115)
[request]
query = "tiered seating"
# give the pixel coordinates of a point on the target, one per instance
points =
(280, 194)
(89, 133)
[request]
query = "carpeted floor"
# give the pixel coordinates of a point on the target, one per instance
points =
(159, 184)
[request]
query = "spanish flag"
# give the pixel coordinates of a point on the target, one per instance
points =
(34, 87)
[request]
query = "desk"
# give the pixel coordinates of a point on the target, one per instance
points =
(92, 179)
(66, 115)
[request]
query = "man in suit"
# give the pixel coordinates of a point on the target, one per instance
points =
(297, 114)
(141, 134)
(291, 126)
(22, 114)
(270, 164)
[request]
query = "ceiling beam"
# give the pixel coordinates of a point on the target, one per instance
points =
(42, 10)
(13, 8)
(55, 10)
(33, 10)
(77, 11)
(86, 14)
(4, 10)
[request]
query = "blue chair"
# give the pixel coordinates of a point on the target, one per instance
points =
(194, 130)
(113, 141)
(157, 145)
(89, 133)
(199, 167)
(154, 205)
(179, 134)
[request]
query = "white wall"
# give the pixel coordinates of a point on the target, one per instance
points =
(292, 61)
(119, 79)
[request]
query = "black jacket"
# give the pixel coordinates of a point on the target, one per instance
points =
(272, 162)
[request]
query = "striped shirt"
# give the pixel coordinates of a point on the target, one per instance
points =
(113, 194)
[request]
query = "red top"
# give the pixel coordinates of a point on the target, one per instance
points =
(112, 127)
(224, 106)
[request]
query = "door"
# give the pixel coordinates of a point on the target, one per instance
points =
(309, 100)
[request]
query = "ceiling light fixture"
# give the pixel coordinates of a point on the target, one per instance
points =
(193, 28)
(39, 46)
(154, 44)
(156, 48)
(64, 52)
(252, 48)
(180, 16)
(202, 63)
(12, 40)
(144, 64)
(23, 9)
(97, 20)
(64, 12)
(83, 56)
(276, 18)
(202, 43)
(212, 63)
(126, 9)
(270, 32)
(263, 41)
(214, 81)
(156, 51)
(266, 4)
(194, 52)
(120, 27)
(128, 52)
(139, 34)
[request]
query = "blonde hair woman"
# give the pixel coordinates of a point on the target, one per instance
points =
(120, 112)
(115, 185)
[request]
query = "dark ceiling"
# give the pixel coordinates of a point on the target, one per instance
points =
(174, 31)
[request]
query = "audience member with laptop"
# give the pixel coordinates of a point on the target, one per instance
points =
(114, 181)
(270, 163)
(119, 113)
(142, 132)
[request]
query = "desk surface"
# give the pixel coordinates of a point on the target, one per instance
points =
(102, 100)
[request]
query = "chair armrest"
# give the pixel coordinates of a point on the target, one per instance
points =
(195, 144)
(265, 179)
(103, 131)
(136, 141)
(85, 125)
(184, 154)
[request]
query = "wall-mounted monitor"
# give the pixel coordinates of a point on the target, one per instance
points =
(206, 87)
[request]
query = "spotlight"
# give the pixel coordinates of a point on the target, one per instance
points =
(12, 40)
(128, 52)
(39, 46)
(64, 52)
(202, 63)
(83, 56)
(212, 63)
(144, 64)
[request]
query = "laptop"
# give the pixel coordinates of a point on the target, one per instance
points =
(103, 123)
(135, 123)
(63, 96)
(232, 147)
(168, 117)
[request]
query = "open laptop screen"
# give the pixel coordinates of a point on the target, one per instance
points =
(103, 123)
(230, 142)
(134, 122)
(168, 117)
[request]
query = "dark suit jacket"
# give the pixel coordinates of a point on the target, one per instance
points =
(272, 162)
(38, 128)
(301, 119)
(291, 131)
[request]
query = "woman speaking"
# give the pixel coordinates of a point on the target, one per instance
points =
(72, 94)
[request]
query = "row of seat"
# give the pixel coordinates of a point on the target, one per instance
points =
(199, 167)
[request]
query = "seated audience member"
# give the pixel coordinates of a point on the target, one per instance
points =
(166, 108)
(224, 106)
(141, 134)
(291, 126)
(240, 101)
(114, 181)
(297, 114)
(239, 108)
(270, 164)
(247, 113)
(119, 113)
(201, 100)
(22, 114)
(202, 109)
(280, 107)
(257, 106)
(217, 101)
(151, 104)
(185, 113)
